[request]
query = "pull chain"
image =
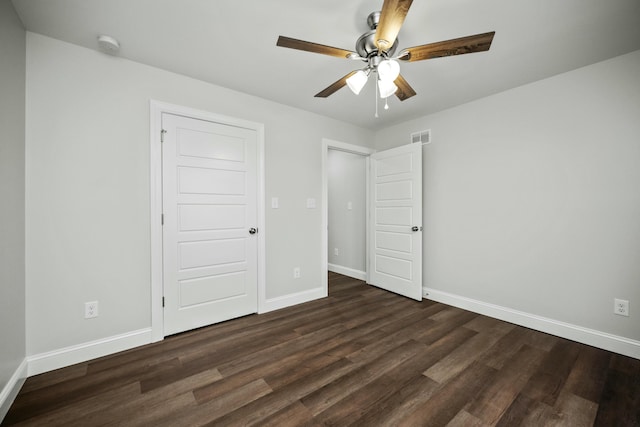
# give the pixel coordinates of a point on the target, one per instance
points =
(376, 95)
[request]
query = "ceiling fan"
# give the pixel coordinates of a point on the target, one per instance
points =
(378, 46)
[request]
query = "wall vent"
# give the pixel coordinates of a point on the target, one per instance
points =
(422, 137)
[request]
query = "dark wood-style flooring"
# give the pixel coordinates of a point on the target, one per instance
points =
(360, 357)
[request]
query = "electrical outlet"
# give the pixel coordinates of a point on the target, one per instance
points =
(336, 252)
(90, 309)
(621, 307)
(296, 273)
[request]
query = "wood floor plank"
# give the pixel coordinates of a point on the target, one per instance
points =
(494, 400)
(451, 397)
(214, 409)
(505, 348)
(405, 376)
(446, 320)
(358, 357)
(547, 383)
(408, 398)
(159, 398)
(57, 376)
(153, 414)
(268, 405)
(517, 411)
(358, 402)
(588, 373)
(75, 390)
(295, 414)
(465, 419)
(467, 353)
(620, 400)
(218, 356)
(288, 350)
(86, 409)
(572, 410)
(339, 389)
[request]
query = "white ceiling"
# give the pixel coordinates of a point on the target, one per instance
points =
(232, 43)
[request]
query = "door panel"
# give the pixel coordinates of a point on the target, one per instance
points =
(396, 206)
(209, 205)
(195, 180)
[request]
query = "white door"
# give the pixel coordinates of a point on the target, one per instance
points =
(395, 252)
(209, 202)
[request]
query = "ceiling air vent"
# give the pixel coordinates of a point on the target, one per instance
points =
(422, 137)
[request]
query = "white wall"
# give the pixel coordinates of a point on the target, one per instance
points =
(532, 197)
(12, 225)
(87, 156)
(346, 176)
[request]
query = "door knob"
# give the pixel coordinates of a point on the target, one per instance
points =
(253, 230)
(416, 228)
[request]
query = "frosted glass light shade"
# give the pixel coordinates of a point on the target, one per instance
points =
(389, 70)
(387, 88)
(357, 81)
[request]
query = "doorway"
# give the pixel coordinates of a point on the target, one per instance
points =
(345, 207)
(347, 213)
(393, 248)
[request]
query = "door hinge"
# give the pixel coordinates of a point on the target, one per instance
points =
(161, 219)
(162, 132)
(163, 301)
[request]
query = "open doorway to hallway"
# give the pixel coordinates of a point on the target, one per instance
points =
(347, 213)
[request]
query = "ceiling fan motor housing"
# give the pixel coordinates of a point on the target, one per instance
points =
(366, 44)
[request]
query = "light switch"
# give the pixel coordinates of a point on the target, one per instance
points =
(274, 203)
(311, 203)
(349, 206)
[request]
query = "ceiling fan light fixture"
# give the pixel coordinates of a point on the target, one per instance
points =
(357, 81)
(386, 88)
(389, 70)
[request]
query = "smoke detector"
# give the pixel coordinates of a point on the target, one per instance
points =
(108, 44)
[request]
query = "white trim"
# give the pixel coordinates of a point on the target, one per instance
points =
(155, 202)
(346, 271)
(12, 388)
(155, 210)
(78, 353)
(262, 246)
(606, 341)
(328, 144)
(294, 299)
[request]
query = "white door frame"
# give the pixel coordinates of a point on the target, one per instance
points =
(157, 108)
(328, 144)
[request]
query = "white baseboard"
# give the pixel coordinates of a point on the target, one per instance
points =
(68, 356)
(292, 299)
(603, 340)
(12, 388)
(346, 271)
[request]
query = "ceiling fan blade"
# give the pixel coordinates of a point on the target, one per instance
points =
(391, 19)
(405, 91)
(460, 46)
(334, 87)
(313, 47)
